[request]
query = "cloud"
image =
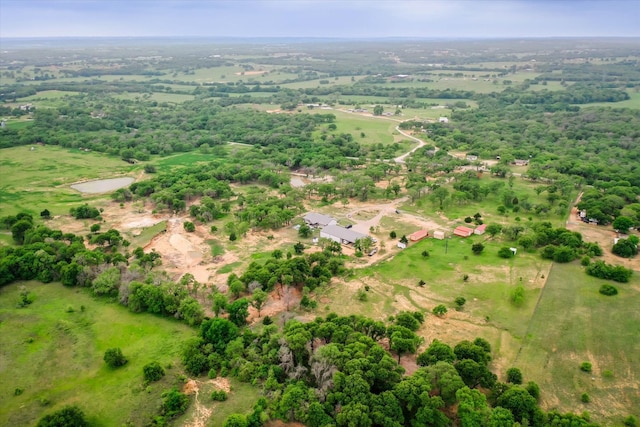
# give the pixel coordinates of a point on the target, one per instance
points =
(315, 18)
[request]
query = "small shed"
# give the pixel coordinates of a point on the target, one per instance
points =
(443, 120)
(402, 245)
(418, 235)
(438, 235)
(463, 231)
(480, 229)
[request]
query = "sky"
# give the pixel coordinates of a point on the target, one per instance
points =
(320, 18)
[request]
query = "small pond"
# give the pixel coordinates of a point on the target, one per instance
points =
(102, 185)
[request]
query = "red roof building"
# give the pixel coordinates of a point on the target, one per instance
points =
(418, 235)
(480, 229)
(463, 231)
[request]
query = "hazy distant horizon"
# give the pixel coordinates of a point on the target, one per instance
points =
(328, 19)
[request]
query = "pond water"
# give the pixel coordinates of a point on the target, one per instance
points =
(102, 185)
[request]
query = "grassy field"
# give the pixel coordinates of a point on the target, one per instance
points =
(488, 206)
(57, 349)
(376, 130)
(572, 324)
(634, 102)
(31, 181)
(147, 234)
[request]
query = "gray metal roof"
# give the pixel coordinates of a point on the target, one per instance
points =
(316, 218)
(343, 233)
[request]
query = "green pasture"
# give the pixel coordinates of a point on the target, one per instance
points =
(333, 81)
(53, 350)
(240, 400)
(47, 98)
(18, 124)
(35, 180)
(194, 157)
(376, 130)
(487, 207)
(147, 234)
(634, 102)
(488, 287)
(574, 323)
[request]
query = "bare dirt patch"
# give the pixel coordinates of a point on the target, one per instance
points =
(604, 237)
(250, 73)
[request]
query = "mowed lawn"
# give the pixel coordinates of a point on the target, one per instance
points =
(574, 323)
(32, 180)
(53, 350)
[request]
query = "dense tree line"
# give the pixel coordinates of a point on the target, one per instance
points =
(577, 143)
(336, 371)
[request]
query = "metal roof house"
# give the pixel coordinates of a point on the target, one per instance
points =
(340, 234)
(314, 219)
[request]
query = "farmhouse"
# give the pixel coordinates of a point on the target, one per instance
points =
(480, 229)
(519, 162)
(418, 235)
(472, 157)
(463, 231)
(314, 219)
(340, 234)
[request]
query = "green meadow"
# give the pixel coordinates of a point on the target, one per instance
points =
(573, 323)
(57, 345)
(33, 180)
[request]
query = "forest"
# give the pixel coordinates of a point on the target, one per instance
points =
(228, 146)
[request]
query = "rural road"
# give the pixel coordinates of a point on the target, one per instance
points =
(421, 143)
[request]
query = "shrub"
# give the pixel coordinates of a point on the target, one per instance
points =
(174, 403)
(219, 395)
(585, 398)
(153, 371)
(605, 271)
(114, 357)
(585, 261)
(189, 226)
(460, 302)
(393, 235)
(533, 389)
(477, 248)
(625, 248)
(514, 376)
(361, 295)
(440, 310)
(517, 296)
(67, 416)
(505, 252)
(630, 421)
(425, 254)
(468, 220)
(608, 290)
(586, 367)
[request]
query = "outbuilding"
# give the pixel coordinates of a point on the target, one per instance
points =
(463, 231)
(438, 235)
(480, 229)
(418, 235)
(317, 220)
(340, 234)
